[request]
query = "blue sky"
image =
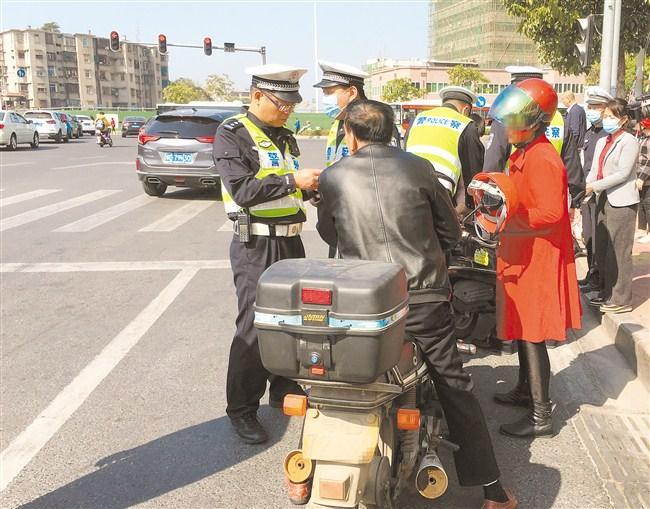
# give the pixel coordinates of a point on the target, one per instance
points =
(348, 31)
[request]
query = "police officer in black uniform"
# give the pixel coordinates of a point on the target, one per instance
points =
(256, 158)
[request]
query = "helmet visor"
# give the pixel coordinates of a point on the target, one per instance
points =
(515, 109)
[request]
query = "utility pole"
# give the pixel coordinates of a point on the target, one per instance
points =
(317, 92)
(616, 39)
(606, 46)
(638, 80)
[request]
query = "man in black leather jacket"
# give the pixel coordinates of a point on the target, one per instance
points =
(384, 204)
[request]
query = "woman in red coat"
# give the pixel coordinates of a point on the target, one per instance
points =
(537, 289)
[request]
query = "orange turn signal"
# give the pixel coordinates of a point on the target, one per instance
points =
(294, 405)
(408, 419)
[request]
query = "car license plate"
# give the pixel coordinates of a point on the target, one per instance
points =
(178, 157)
(482, 257)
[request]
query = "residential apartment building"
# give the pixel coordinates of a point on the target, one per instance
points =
(41, 69)
(479, 32)
(431, 77)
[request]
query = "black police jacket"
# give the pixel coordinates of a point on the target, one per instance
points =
(385, 204)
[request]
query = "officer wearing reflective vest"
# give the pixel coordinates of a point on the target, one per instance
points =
(263, 193)
(448, 138)
(341, 84)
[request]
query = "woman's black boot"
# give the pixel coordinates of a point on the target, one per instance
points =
(538, 423)
(520, 395)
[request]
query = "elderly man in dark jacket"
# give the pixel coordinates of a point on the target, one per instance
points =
(384, 204)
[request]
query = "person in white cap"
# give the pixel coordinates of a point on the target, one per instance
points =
(262, 189)
(596, 99)
(341, 84)
(447, 137)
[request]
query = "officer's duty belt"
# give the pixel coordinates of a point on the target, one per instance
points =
(272, 230)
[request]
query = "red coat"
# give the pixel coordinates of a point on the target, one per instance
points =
(537, 288)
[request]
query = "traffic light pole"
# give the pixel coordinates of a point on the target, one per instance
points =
(261, 51)
(609, 51)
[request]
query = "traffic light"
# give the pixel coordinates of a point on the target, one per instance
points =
(162, 44)
(586, 29)
(207, 46)
(115, 41)
(229, 47)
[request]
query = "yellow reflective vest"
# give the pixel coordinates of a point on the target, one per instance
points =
(333, 152)
(272, 162)
(435, 136)
(555, 132)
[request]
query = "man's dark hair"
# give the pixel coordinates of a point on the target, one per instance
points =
(370, 121)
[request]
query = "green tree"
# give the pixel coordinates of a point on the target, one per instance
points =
(551, 25)
(182, 91)
(400, 89)
(630, 73)
(219, 87)
(466, 76)
(51, 26)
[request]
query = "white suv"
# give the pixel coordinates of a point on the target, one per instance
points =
(14, 129)
(87, 124)
(48, 125)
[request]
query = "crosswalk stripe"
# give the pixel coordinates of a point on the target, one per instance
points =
(17, 198)
(49, 210)
(178, 217)
(104, 216)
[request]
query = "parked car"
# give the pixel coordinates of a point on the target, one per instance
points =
(132, 125)
(48, 124)
(77, 130)
(87, 124)
(68, 125)
(175, 149)
(15, 129)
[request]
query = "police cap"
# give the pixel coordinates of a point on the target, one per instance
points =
(278, 79)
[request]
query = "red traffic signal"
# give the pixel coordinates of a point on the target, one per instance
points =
(115, 41)
(207, 46)
(162, 44)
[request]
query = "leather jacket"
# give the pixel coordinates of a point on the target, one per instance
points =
(385, 204)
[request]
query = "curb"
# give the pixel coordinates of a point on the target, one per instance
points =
(630, 338)
(633, 341)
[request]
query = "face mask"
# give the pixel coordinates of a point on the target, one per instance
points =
(610, 125)
(593, 116)
(330, 102)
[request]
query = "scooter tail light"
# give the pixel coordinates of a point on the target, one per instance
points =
(408, 419)
(294, 405)
(2, 126)
(205, 139)
(318, 296)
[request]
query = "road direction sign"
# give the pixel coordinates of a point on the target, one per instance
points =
(21, 72)
(481, 101)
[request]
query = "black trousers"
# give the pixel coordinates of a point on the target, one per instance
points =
(246, 381)
(433, 328)
(614, 243)
(588, 213)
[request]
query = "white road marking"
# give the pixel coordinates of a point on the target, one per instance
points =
(17, 198)
(26, 445)
(114, 266)
(178, 217)
(106, 215)
(226, 227)
(99, 163)
(49, 210)
(91, 157)
(8, 165)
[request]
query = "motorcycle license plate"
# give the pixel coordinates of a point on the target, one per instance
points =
(482, 257)
(178, 157)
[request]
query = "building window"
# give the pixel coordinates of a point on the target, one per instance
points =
(90, 90)
(52, 89)
(86, 59)
(85, 42)
(39, 56)
(19, 38)
(41, 90)
(51, 70)
(87, 73)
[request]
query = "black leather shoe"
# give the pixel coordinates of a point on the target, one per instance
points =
(249, 428)
(537, 423)
(519, 396)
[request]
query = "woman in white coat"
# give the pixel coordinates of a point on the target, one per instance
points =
(612, 179)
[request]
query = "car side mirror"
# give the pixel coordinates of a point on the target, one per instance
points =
(30, 122)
